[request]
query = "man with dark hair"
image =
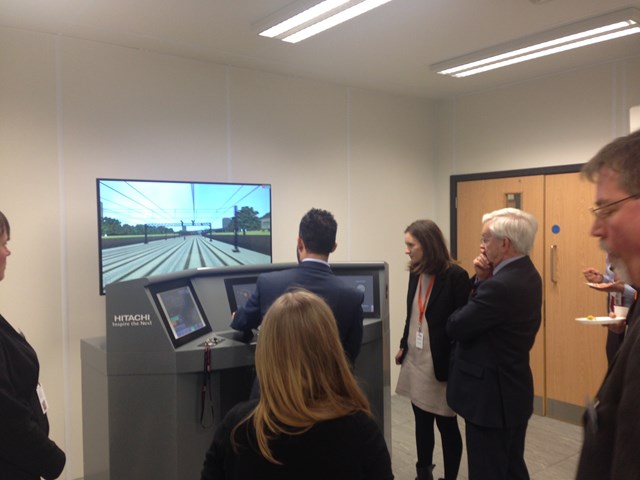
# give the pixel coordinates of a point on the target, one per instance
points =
(316, 241)
(318, 231)
(612, 421)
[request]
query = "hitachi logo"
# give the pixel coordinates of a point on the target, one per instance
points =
(132, 318)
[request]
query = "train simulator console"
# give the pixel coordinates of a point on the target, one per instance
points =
(169, 368)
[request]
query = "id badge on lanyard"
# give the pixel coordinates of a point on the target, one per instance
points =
(42, 399)
(422, 306)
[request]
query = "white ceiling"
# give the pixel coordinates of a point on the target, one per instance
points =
(389, 48)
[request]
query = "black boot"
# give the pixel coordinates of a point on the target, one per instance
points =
(425, 473)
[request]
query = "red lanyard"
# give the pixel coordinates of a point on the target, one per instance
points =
(422, 305)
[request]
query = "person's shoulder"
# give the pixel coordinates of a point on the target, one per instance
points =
(457, 270)
(276, 276)
(360, 428)
(516, 268)
(349, 427)
(276, 273)
(525, 267)
(523, 262)
(240, 411)
(363, 419)
(312, 265)
(518, 275)
(348, 291)
(359, 421)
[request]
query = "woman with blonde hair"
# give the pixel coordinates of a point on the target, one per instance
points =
(312, 421)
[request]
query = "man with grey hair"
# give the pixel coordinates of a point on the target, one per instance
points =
(612, 421)
(490, 380)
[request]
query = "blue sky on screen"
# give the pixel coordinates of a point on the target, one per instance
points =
(155, 202)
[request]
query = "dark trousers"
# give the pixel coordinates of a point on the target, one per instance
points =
(496, 453)
(425, 440)
(614, 341)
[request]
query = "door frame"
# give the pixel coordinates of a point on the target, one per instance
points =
(455, 179)
(562, 411)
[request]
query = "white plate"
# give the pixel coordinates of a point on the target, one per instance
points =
(600, 320)
(600, 286)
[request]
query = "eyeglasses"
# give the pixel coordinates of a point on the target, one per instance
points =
(484, 239)
(605, 211)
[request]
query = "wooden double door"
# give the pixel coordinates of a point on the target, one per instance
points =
(568, 359)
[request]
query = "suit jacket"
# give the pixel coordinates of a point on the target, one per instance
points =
(612, 422)
(345, 301)
(490, 381)
(26, 452)
(450, 291)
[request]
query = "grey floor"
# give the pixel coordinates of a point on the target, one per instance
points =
(551, 452)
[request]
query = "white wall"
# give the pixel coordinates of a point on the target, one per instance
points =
(555, 120)
(634, 118)
(72, 111)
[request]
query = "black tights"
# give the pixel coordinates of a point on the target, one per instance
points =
(425, 440)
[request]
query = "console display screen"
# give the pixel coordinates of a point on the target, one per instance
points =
(239, 290)
(367, 283)
(182, 315)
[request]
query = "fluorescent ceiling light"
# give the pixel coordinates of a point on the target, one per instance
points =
(317, 18)
(588, 32)
(303, 17)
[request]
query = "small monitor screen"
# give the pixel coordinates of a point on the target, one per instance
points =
(239, 290)
(181, 314)
(368, 285)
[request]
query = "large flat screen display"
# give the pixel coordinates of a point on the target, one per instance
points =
(156, 227)
(181, 315)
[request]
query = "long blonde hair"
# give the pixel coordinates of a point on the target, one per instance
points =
(302, 369)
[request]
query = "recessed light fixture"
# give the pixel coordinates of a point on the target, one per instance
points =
(587, 32)
(304, 19)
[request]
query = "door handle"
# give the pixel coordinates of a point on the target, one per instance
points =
(552, 261)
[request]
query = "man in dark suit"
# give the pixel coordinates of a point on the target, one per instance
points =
(612, 421)
(490, 380)
(316, 241)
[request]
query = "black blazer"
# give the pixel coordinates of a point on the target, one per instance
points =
(450, 291)
(490, 380)
(612, 424)
(345, 301)
(26, 452)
